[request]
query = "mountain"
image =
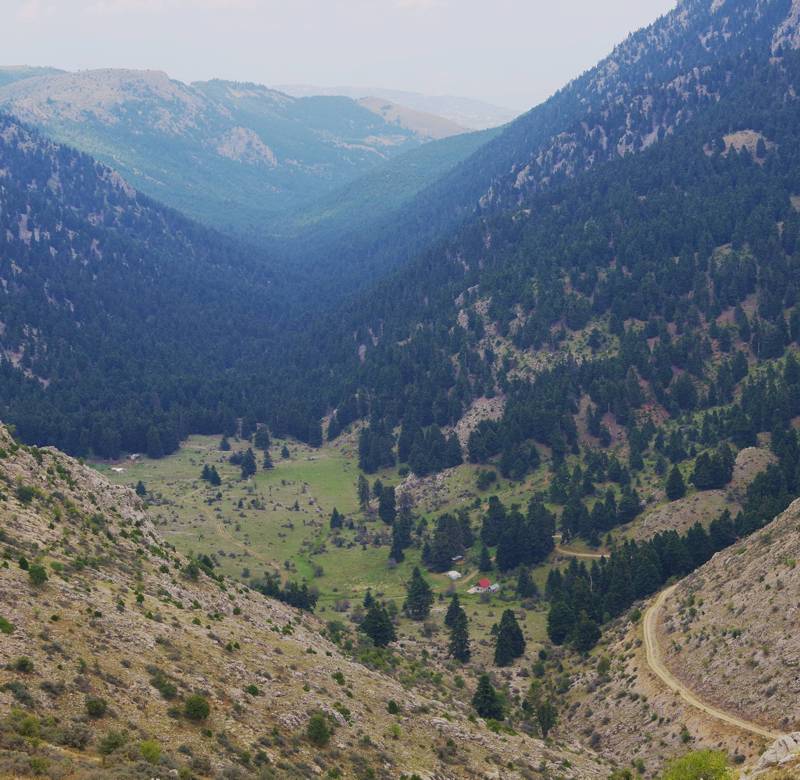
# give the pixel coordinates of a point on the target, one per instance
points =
(126, 659)
(12, 73)
(590, 234)
(232, 155)
(426, 125)
(465, 112)
(121, 319)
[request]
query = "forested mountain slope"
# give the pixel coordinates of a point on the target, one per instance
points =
(655, 256)
(124, 659)
(119, 318)
(232, 155)
(658, 81)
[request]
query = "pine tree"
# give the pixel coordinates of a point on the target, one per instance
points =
(154, 448)
(675, 487)
(526, 587)
(267, 462)
(285, 452)
(586, 633)
(485, 563)
(261, 439)
(458, 646)
(141, 490)
(387, 509)
(419, 596)
(452, 611)
(546, 715)
(377, 625)
(363, 493)
(486, 700)
(509, 641)
(336, 519)
(248, 464)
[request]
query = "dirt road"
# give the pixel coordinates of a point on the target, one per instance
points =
(656, 664)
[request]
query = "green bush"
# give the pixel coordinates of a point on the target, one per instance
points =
(318, 730)
(196, 707)
(95, 708)
(150, 750)
(6, 627)
(37, 575)
(25, 493)
(23, 664)
(393, 707)
(112, 742)
(698, 765)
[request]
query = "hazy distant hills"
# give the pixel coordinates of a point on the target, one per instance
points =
(233, 155)
(466, 112)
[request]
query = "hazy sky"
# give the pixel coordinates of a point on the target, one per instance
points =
(511, 52)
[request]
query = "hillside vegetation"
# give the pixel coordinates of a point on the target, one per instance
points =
(123, 658)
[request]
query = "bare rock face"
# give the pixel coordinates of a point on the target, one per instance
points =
(783, 752)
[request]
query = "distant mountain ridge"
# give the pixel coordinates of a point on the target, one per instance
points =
(233, 155)
(467, 112)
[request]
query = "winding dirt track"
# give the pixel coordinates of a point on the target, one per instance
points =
(658, 668)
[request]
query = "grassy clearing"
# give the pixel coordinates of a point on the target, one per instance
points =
(279, 521)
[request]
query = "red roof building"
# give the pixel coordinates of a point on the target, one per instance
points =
(484, 583)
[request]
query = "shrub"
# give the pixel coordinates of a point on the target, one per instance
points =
(318, 730)
(95, 708)
(196, 707)
(393, 707)
(25, 493)
(150, 750)
(112, 742)
(705, 764)
(37, 575)
(23, 664)
(6, 627)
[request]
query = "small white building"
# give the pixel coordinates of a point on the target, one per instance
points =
(454, 575)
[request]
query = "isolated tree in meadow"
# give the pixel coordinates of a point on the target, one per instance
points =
(486, 700)
(141, 490)
(452, 610)
(419, 596)
(675, 487)
(267, 462)
(509, 641)
(363, 493)
(285, 454)
(458, 646)
(378, 626)
(248, 464)
(336, 519)
(387, 509)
